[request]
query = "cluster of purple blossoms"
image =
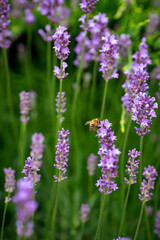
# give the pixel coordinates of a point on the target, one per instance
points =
(63, 104)
(124, 43)
(54, 10)
(109, 56)
(60, 74)
(153, 24)
(28, 7)
(157, 226)
(9, 182)
(92, 162)
(26, 207)
(24, 106)
(84, 212)
(87, 6)
(4, 24)
(132, 167)
(143, 112)
(109, 158)
(150, 174)
(122, 238)
(30, 170)
(48, 35)
(37, 146)
(62, 154)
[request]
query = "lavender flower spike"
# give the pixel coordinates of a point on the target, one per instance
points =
(63, 104)
(9, 182)
(124, 44)
(37, 146)
(150, 174)
(92, 162)
(157, 220)
(122, 238)
(87, 6)
(109, 158)
(62, 154)
(26, 206)
(4, 24)
(24, 106)
(109, 56)
(132, 167)
(84, 212)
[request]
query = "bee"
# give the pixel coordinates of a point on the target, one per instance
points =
(93, 124)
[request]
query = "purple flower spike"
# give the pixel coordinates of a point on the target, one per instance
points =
(48, 35)
(26, 207)
(24, 106)
(63, 104)
(87, 6)
(109, 56)
(132, 167)
(9, 182)
(58, 73)
(91, 166)
(157, 220)
(124, 44)
(62, 154)
(150, 174)
(37, 146)
(29, 17)
(61, 43)
(109, 158)
(4, 24)
(122, 238)
(84, 212)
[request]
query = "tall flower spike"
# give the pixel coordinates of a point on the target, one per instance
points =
(109, 56)
(157, 225)
(150, 174)
(9, 182)
(109, 158)
(37, 146)
(92, 162)
(26, 206)
(24, 106)
(63, 104)
(124, 43)
(84, 212)
(62, 154)
(87, 6)
(4, 24)
(132, 167)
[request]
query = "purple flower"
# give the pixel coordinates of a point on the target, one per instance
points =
(132, 167)
(30, 170)
(122, 238)
(62, 154)
(37, 146)
(9, 182)
(109, 158)
(4, 24)
(63, 104)
(92, 162)
(143, 112)
(87, 6)
(157, 226)
(58, 73)
(150, 174)
(26, 207)
(29, 17)
(124, 44)
(61, 43)
(24, 106)
(84, 212)
(48, 35)
(153, 23)
(109, 56)
(149, 210)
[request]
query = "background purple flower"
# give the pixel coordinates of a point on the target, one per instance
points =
(47, 35)
(9, 182)
(24, 106)
(4, 24)
(84, 212)
(91, 164)
(37, 146)
(157, 225)
(63, 104)
(87, 6)
(124, 43)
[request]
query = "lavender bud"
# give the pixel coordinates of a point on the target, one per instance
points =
(92, 162)
(63, 104)
(37, 146)
(84, 212)
(9, 182)
(24, 106)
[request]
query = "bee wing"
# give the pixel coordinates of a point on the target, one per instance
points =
(88, 122)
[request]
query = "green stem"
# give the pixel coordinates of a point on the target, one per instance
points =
(4, 216)
(104, 100)
(82, 231)
(28, 59)
(55, 212)
(124, 211)
(92, 97)
(9, 95)
(141, 165)
(90, 184)
(22, 142)
(139, 221)
(147, 225)
(48, 66)
(100, 216)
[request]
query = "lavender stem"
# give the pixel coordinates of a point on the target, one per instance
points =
(139, 221)
(4, 216)
(141, 165)
(22, 142)
(147, 225)
(104, 100)
(92, 97)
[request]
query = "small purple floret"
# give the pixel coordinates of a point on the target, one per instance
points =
(63, 104)
(87, 6)
(24, 106)
(84, 212)
(9, 182)
(37, 146)
(92, 163)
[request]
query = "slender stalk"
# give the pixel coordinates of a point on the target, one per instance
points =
(124, 211)
(55, 212)
(4, 216)
(90, 184)
(104, 99)
(139, 221)
(22, 142)
(100, 216)
(141, 165)
(28, 59)
(82, 231)
(48, 57)
(147, 225)
(93, 88)
(9, 95)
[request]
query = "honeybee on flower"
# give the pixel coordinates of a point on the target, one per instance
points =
(93, 124)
